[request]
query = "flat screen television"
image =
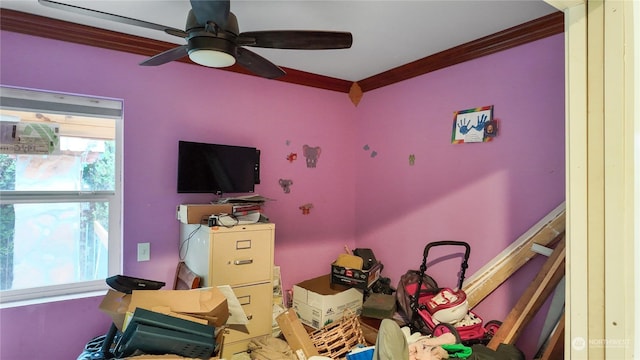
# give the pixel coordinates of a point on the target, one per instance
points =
(217, 168)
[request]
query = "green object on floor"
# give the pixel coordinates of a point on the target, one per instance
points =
(457, 351)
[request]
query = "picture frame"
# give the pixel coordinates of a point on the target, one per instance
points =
(474, 125)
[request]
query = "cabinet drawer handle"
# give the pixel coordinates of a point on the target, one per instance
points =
(244, 300)
(243, 262)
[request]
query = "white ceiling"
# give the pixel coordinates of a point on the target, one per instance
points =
(386, 33)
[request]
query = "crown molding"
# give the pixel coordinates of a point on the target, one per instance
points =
(24, 23)
(537, 29)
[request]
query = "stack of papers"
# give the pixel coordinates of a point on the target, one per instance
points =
(244, 199)
(247, 209)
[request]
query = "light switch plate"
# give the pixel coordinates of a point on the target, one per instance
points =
(144, 251)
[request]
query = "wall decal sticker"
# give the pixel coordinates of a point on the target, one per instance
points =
(292, 157)
(373, 153)
(312, 154)
(306, 208)
(285, 184)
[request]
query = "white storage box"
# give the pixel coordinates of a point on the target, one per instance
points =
(317, 303)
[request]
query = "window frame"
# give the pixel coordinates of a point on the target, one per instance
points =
(34, 100)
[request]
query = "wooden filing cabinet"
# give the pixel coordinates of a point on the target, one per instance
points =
(241, 257)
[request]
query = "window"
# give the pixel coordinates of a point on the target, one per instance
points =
(60, 193)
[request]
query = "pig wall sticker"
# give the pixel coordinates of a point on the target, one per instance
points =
(312, 154)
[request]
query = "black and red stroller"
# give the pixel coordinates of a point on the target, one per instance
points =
(445, 310)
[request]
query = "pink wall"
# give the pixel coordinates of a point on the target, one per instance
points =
(184, 102)
(486, 194)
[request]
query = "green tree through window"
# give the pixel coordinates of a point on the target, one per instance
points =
(7, 221)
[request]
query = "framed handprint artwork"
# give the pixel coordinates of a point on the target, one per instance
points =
(474, 125)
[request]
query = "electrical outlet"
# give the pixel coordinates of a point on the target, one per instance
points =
(144, 251)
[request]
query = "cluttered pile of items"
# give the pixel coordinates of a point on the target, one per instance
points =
(325, 317)
(416, 321)
(324, 322)
(148, 320)
(241, 210)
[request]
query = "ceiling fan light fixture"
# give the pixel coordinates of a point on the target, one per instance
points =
(211, 52)
(214, 39)
(211, 58)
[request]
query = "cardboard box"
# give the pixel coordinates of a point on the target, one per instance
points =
(357, 278)
(295, 334)
(116, 305)
(207, 303)
(317, 303)
(199, 213)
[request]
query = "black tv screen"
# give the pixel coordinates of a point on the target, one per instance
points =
(217, 168)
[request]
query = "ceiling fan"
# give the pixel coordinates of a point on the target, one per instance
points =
(213, 38)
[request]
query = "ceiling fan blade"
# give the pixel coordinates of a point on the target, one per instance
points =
(166, 56)
(296, 39)
(113, 17)
(257, 64)
(216, 11)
